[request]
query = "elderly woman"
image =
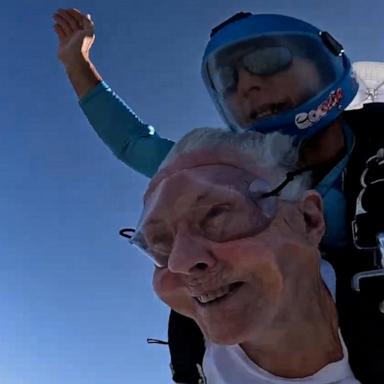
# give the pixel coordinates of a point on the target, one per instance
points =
(236, 250)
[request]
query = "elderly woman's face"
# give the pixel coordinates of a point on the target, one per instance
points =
(230, 267)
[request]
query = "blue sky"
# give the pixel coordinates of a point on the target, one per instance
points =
(76, 300)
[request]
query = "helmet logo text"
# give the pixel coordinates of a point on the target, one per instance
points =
(304, 120)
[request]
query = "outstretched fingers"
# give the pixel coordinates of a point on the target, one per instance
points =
(82, 19)
(62, 24)
(72, 20)
(60, 31)
(68, 18)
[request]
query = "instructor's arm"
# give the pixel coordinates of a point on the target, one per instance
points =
(131, 140)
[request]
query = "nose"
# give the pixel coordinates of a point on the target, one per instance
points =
(190, 255)
(247, 82)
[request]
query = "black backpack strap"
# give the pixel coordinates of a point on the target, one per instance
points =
(186, 346)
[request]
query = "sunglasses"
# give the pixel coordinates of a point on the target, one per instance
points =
(259, 62)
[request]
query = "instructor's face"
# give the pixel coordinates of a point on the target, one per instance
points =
(256, 97)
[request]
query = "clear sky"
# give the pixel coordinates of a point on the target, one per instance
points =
(76, 301)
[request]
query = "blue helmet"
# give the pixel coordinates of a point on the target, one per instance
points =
(287, 56)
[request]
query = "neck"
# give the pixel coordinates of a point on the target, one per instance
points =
(327, 147)
(299, 344)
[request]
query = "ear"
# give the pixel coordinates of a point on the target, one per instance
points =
(311, 206)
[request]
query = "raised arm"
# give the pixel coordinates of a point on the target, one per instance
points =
(135, 143)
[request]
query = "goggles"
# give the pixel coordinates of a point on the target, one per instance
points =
(229, 217)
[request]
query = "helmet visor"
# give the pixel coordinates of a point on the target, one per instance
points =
(264, 77)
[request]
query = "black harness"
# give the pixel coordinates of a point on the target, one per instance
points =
(359, 273)
(361, 307)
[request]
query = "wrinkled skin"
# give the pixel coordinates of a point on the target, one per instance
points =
(268, 268)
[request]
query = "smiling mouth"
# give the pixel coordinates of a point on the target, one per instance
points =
(218, 295)
(267, 110)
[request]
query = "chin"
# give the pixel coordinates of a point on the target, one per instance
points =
(223, 334)
(223, 339)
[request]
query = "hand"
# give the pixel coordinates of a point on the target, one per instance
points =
(76, 35)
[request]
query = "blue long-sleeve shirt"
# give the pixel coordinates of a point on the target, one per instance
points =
(132, 141)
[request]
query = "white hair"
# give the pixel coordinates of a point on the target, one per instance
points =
(273, 151)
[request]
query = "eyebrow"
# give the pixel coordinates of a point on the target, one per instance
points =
(198, 199)
(205, 196)
(202, 196)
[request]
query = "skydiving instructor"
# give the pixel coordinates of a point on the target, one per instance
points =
(272, 73)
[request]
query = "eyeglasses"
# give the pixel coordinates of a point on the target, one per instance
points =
(261, 62)
(218, 222)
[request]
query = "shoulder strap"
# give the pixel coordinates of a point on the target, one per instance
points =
(186, 346)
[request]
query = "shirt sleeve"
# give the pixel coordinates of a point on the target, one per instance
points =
(133, 142)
